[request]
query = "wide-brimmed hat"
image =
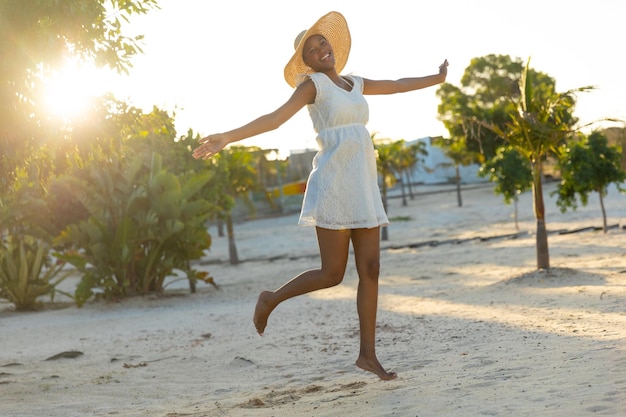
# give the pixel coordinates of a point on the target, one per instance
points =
(334, 28)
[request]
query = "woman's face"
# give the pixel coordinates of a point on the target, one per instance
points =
(317, 54)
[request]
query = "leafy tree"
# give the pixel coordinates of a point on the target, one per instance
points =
(488, 90)
(586, 166)
(543, 120)
(511, 173)
(38, 36)
(154, 132)
(617, 137)
(486, 87)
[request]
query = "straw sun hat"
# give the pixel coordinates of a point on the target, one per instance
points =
(334, 28)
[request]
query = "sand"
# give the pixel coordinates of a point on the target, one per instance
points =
(465, 318)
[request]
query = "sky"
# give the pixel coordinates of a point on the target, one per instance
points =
(219, 64)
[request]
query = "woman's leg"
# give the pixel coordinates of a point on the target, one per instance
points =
(333, 246)
(366, 244)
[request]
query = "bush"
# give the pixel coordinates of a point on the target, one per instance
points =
(144, 224)
(27, 271)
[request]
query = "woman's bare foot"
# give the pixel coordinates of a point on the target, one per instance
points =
(262, 311)
(372, 365)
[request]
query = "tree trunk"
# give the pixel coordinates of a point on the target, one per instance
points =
(543, 255)
(232, 247)
(404, 202)
(220, 227)
(191, 277)
(410, 184)
(604, 227)
(458, 185)
(515, 200)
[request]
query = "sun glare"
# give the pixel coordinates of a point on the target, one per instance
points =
(69, 91)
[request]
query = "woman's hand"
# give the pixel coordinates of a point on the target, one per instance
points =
(443, 69)
(210, 145)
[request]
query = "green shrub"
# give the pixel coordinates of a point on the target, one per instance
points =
(27, 271)
(144, 224)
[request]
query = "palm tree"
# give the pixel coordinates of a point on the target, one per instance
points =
(235, 176)
(542, 122)
(458, 152)
(388, 165)
(409, 158)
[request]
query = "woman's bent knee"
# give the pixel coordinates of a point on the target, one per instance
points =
(332, 278)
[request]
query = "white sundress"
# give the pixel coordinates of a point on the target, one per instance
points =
(342, 190)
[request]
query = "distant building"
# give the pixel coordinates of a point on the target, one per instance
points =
(437, 168)
(300, 164)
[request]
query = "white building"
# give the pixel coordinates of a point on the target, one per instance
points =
(437, 168)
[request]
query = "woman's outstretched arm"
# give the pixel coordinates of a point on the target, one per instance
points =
(212, 144)
(403, 85)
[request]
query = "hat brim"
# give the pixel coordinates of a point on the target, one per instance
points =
(334, 28)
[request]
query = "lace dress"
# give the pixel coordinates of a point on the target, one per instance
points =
(342, 190)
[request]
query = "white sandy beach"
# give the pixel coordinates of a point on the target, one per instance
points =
(469, 324)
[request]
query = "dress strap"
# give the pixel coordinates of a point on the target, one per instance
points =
(348, 80)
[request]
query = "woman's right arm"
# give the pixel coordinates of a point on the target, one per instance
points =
(212, 144)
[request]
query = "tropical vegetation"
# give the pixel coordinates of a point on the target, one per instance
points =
(114, 198)
(588, 165)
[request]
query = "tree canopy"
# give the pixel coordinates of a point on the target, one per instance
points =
(38, 36)
(586, 166)
(488, 90)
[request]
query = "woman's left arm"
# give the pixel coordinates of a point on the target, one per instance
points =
(403, 85)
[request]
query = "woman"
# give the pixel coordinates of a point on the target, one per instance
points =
(342, 199)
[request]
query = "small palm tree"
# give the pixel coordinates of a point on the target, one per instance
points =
(410, 157)
(235, 176)
(388, 165)
(542, 122)
(458, 152)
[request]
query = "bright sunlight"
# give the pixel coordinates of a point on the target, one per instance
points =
(68, 92)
